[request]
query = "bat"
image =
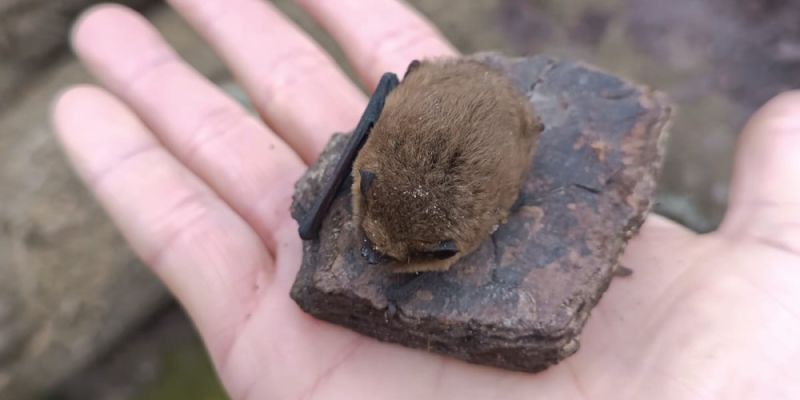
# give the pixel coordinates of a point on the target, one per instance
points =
(436, 161)
(309, 228)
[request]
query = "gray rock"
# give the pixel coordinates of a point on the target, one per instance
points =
(32, 34)
(520, 301)
(69, 285)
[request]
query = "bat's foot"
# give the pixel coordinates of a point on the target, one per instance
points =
(621, 271)
(373, 257)
(427, 266)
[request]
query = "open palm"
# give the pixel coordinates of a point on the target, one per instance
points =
(202, 190)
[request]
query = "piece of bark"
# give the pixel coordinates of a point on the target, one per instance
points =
(520, 301)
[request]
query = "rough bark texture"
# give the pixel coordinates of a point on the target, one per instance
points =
(718, 60)
(519, 302)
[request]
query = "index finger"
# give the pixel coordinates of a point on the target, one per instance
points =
(378, 36)
(763, 193)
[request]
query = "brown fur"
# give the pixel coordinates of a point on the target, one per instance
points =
(449, 153)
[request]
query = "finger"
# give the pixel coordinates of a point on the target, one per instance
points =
(245, 163)
(378, 36)
(296, 87)
(208, 257)
(767, 169)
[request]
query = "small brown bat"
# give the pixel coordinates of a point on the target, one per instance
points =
(446, 153)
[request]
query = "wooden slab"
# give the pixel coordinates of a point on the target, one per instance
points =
(520, 301)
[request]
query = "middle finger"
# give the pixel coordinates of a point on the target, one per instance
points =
(296, 87)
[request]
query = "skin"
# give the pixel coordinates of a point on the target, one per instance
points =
(201, 191)
(443, 177)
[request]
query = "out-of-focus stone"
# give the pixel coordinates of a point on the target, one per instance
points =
(519, 301)
(32, 34)
(69, 285)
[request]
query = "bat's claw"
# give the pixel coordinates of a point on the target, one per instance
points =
(373, 257)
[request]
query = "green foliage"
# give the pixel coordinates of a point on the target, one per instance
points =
(187, 375)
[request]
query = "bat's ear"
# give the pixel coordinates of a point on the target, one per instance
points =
(411, 67)
(444, 249)
(366, 181)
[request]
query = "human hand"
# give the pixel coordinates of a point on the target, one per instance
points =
(201, 190)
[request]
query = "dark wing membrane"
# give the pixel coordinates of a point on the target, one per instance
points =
(309, 228)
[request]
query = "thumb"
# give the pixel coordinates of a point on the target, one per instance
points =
(765, 190)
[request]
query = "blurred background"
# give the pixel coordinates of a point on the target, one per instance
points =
(81, 318)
